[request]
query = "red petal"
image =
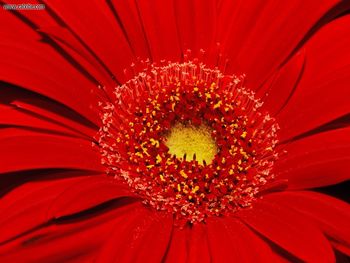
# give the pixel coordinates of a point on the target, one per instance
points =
(47, 109)
(43, 22)
(12, 27)
(82, 56)
(86, 194)
(284, 84)
(159, 23)
(103, 36)
(71, 241)
(177, 251)
(196, 23)
(343, 249)
(198, 246)
(27, 206)
(141, 240)
(323, 93)
(40, 69)
(289, 230)
(25, 150)
(330, 214)
(33, 19)
(29, 19)
(315, 161)
(231, 241)
(11, 116)
(261, 36)
(43, 201)
(131, 23)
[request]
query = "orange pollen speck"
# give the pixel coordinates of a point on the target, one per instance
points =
(224, 117)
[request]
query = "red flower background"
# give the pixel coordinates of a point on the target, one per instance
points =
(57, 204)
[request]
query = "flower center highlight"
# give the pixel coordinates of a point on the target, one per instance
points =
(188, 140)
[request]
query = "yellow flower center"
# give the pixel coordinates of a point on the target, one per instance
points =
(191, 142)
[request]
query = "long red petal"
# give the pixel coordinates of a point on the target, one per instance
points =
(11, 116)
(58, 242)
(261, 36)
(25, 24)
(198, 246)
(232, 241)
(289, 230)
(141, 240)
(284, 84)
(43, 201)
(12, 27)
(25, 150)
(318, 160)
(86, 194)
(196, 23)
(178, 246)
(159, 23)
(66, 40)
(39, 68)
(46, 109)
(323, 92)
(131, 23)
(103, 36)
(330, 214)
(27, 206)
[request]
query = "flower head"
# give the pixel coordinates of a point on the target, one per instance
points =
(174, 131)
(188, 140)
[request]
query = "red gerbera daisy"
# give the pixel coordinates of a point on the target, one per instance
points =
(174, 131)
